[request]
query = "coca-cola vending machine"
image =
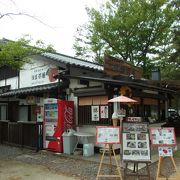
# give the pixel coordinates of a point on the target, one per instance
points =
(58, 117)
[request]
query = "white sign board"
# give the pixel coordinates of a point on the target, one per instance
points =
(107, 135)
(165, 151)
(136, 145)
(162, 136)
(95, 113)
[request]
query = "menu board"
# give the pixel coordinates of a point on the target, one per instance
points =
(107, 135)
(136, 144)
(162, 136)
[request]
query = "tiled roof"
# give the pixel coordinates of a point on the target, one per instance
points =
(73, 61)
(29, 90)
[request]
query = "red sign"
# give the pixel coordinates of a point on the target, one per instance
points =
(162, 136)
(134, 119)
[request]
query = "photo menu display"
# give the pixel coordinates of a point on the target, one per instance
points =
(162, 137)
(135, 141)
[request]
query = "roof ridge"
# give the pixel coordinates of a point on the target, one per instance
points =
(73, 58)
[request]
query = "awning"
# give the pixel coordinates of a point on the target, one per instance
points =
(30, 90)
(132, 83)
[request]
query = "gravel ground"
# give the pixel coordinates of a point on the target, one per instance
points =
(82, 169)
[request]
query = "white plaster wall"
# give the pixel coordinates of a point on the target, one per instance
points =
(2, 83)
(13, 82)
(75, 84)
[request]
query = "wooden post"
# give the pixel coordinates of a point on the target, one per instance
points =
(135, 172)
(102, 158)
(177, 177)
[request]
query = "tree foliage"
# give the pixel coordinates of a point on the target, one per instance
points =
(170, 67)
(137, 31)
(16, 53)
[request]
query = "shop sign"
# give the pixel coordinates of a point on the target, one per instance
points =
(117, 67)
(134, 119)
(31, 99)
(43, 75)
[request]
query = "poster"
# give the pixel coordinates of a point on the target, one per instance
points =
(107, 135)
(162, 137)
(104, 112)
(95, 113)
(165, 151)
(136, 145)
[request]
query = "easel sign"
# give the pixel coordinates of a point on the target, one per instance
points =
(164, 139)
(136, 145)
(107, 135)
(163, 136)
(165, 151)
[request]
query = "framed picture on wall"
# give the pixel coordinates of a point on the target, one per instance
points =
(95, 113)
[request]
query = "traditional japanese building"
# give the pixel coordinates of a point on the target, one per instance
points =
(89, 85)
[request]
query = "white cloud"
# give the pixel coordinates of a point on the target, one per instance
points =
(63, 15)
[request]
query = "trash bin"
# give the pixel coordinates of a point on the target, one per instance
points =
(88, 149)
(69, 141)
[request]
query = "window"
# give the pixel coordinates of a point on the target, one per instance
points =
(85, 110)
(23, 113)
(3, 111)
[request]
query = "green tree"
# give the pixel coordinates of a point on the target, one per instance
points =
(137, 31)
(170, 67)
(16, 53)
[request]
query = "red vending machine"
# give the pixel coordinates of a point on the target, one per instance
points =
(58, 117)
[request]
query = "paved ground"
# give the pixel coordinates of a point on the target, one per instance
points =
(24, 164)
(15, 170)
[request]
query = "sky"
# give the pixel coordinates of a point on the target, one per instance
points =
(62, 17)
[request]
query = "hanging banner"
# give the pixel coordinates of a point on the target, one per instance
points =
(95, 113)
(104, 112)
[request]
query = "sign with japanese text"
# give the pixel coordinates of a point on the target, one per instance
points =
(117, 67)
(95, 113)
(163, 136)
(134, 119)
(136, 145)
(107, 135)
(104, 112)
(43, 75)
(165, 151)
